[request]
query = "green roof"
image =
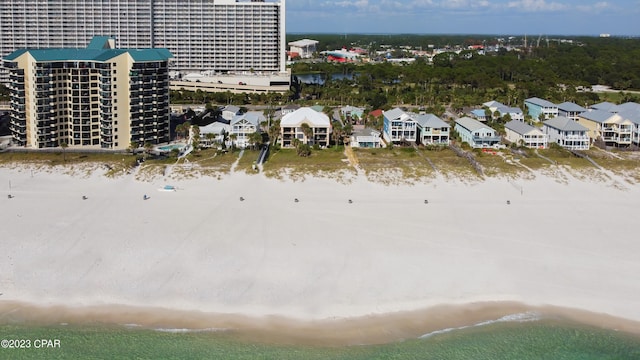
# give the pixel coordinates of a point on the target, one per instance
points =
(89, 54)
(99, 42)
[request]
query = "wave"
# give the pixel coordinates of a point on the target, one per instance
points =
(182, 331)
(519, 317)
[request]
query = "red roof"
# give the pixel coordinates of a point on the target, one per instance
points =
(376, 113)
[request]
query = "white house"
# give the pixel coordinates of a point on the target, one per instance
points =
(399, 126)
(213, 134)
(476, 134)
(304, 48)
(291, 128)
(570, 110)
(229, 111)
(567, 133)
(514, 112)
(366, 138)
(433, 130)
(519, 132)
(242, 126)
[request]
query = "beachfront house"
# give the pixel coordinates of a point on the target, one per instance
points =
(476, 134)
(242, 126)
(537, 107)
(214, 134)
(399, 127)
(432, 130)
(291, 128)
(570, 110)
(521, 133)
(366, 138)
(567, 133)
(612, 129)
(229, 111)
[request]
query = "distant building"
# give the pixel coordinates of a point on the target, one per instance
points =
(570, 110)
(229, 112)
(289, 109)
(303, 48)
(537, 106)
(476, 134)
(219, 35)
(351, 111)
(97, 97)
(291, 128)
(519, 133)
(567, 133)
(480, 115)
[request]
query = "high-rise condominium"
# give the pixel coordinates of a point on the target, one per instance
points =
(218, 35)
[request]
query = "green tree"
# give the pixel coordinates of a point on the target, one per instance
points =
(195, 140)
(64, 146)
(308, 133)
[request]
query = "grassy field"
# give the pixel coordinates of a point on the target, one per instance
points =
(393, 165)
(389, 166)
(247, 161)
(328, 163)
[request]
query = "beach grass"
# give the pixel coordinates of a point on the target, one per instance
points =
(392, 165)
(326, 163)
(246, 162)
(499, 164)
(450, 165)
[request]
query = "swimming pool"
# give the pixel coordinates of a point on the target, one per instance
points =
(171, 147)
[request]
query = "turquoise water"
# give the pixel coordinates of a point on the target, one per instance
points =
(171, 147)
(544, 339)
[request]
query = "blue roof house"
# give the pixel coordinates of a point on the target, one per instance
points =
(570, 110)
(476, 134)
(399, 126)
(537, 106)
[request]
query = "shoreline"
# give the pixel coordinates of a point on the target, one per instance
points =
(372, 329)
(305, 269)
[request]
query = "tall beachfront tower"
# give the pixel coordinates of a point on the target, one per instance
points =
(215, 35)
(98, 97)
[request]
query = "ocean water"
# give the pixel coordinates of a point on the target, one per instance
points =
(538, 339)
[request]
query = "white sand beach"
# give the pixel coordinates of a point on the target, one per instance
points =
(566, 245)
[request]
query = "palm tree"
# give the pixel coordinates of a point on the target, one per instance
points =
(308, 132)
(274, 131)
(233, 138)
(337, 132)
(64, 146)
(195, 140)
(255, 139)
(133, 146)
(209, 137)
(147, 148)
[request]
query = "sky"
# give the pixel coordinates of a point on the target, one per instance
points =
(504, 17)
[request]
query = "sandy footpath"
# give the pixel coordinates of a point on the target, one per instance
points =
(201, 249)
